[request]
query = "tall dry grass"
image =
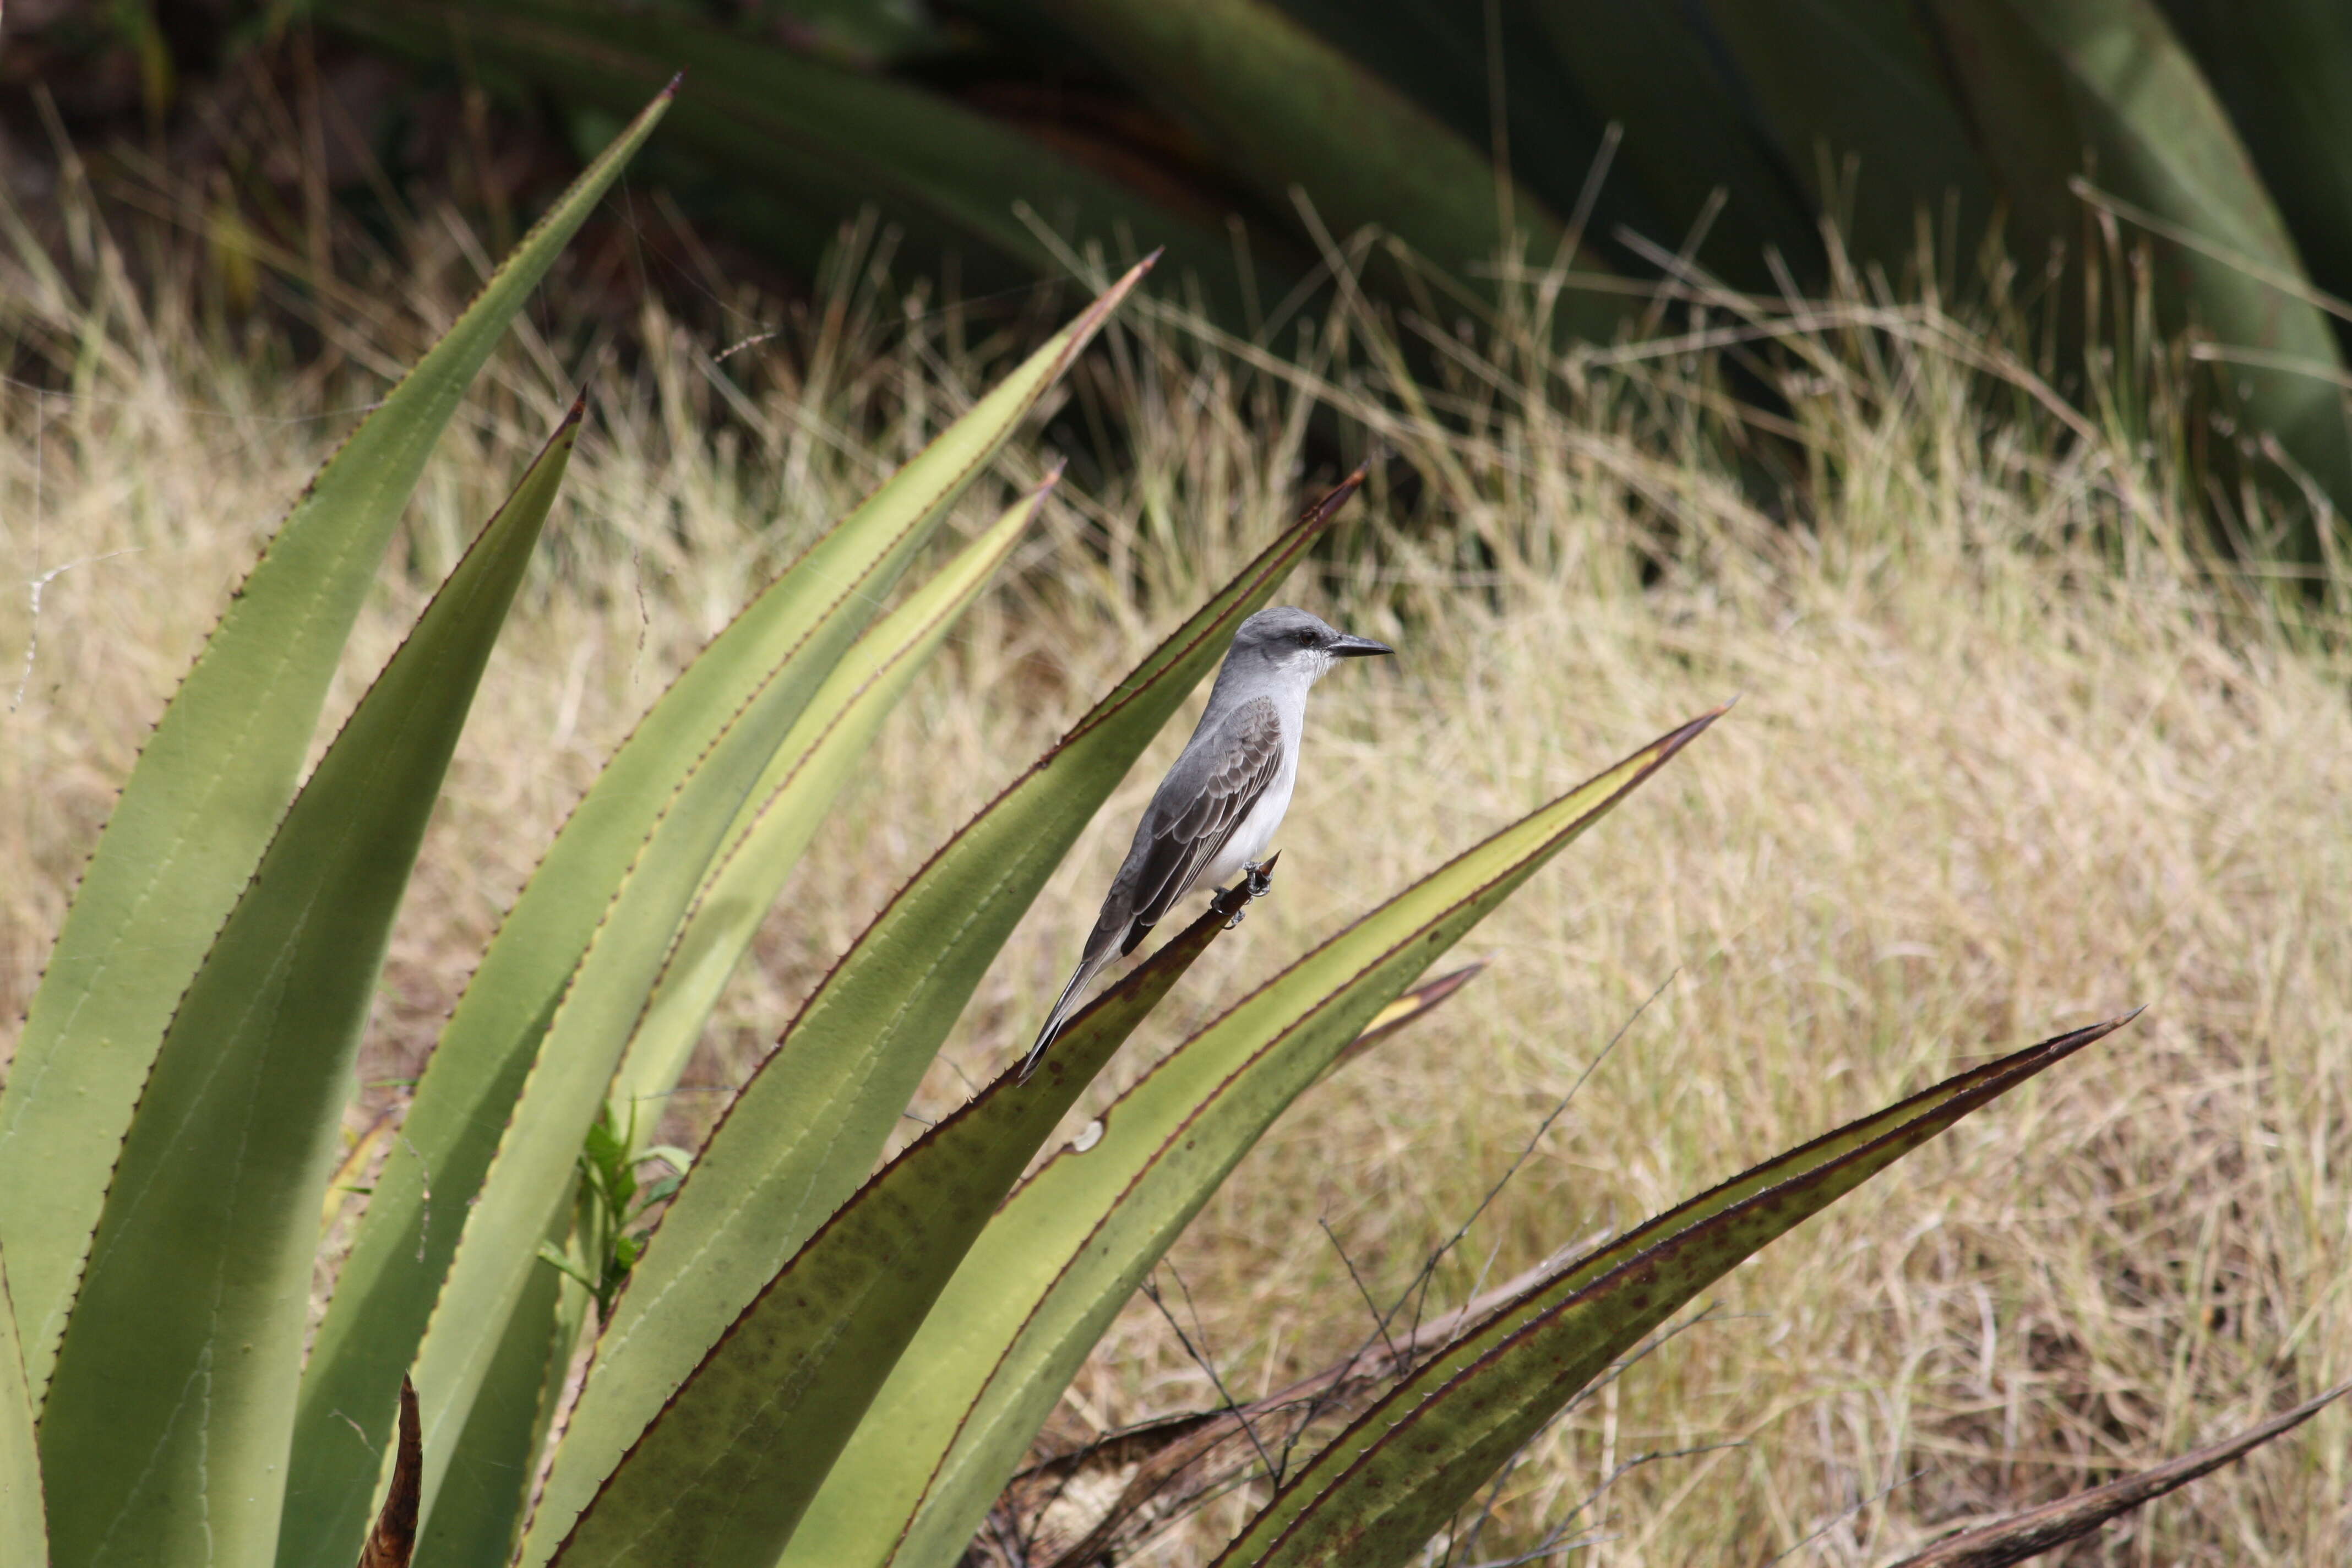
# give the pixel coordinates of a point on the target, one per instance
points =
(2009, 757)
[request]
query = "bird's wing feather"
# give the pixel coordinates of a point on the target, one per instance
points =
(1235, 765)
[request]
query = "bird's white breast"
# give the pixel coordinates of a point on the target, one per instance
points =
(1256, 835)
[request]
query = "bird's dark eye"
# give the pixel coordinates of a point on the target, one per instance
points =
(1303, 639)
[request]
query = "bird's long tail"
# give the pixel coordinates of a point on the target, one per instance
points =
(1065, 1005)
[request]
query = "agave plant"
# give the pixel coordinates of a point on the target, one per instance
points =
(811, 1361)
(1725, 147)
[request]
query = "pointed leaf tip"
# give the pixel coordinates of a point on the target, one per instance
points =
(2053, 1524)
(578, 411)
(675, 83)
(393, 1542)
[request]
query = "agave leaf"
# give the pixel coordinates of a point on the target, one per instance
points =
(1288, 111)
(1412, 1004)
(1104, 1500)
(2056, 86)
(24, 1525)
(805, 1131)
(1444, 57)
(2051, 1526)
(2279, 69)
(722, 1473)
(1378, 1492)
(1692, 127)
(782, 645)
(821, 754)
(529, 1184)
(480, 1513)
(828, 143)
(1889, 114)
(165, 1434)
(206, 797)
(392, 1540)
(1069, 1248)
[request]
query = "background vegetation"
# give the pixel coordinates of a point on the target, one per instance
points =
(2007, 753)
(1446, 148)
(2013, 751)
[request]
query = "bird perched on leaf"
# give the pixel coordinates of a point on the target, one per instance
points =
(1216, 811)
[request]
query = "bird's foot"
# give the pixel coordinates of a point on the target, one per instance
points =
(1258, 876)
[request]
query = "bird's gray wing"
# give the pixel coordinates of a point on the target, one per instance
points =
(1204, 798)
(1199, 805)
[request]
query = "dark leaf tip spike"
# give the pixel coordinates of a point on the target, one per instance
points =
(393, 1542)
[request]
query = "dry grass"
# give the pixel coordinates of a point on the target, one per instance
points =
(2005, 761)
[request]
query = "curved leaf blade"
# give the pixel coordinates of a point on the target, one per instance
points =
(2044, 84)
(2044, 1528)
(803, 1133)
(1289, 111)
(2279, 67)
(207, 795)
(782, 645)
(1884, 148)
(529, 1184)
(1069, 1248)
(788, 802)
(721, 1475)
(24, 1520)
(1692, 129)
(1383, 1487)
(824, 141)
(165, 1435)
(478, 1516)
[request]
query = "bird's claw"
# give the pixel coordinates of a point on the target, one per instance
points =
(1256, 878)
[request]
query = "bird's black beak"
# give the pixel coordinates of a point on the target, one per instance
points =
(1355, 647)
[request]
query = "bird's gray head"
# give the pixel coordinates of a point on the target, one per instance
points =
(1296, 643)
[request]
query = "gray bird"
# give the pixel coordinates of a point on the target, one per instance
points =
(1216, 811)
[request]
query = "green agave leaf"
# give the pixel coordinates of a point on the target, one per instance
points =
(530, 1185)
(723, 1474)
(821, 754)
(165, 1435)
(1887, 110)
(2279, 69)
(1411, 1004)
(480, 1514)
(1443, 56)
(780, 648)
(23, 1524)
(2056, 86)
(206, 797)
(1689, 132)
(1288, 110)
(829, 141)
(804, 1132)
(1382, 1488)
(1069, 1248)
